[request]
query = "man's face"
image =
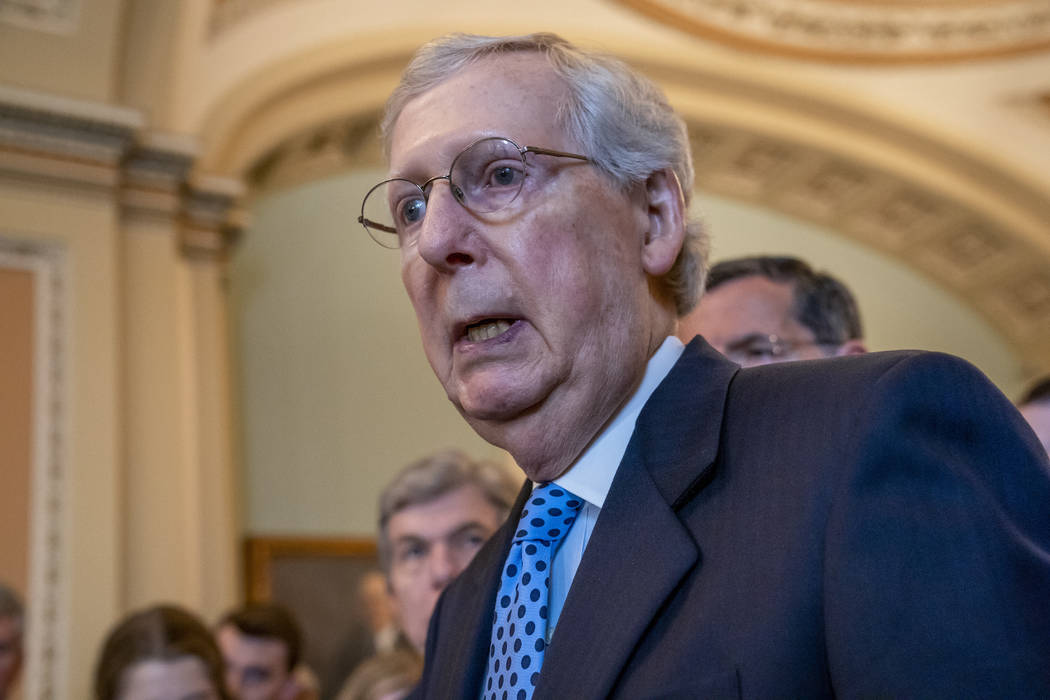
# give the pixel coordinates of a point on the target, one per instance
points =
(256, 667)
(430, 544)
(739, 317)
(560, 268)
(10, 652)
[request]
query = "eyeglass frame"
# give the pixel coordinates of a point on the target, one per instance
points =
(779, 346)
(369, 225)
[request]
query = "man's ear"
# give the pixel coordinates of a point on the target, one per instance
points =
(666, 218)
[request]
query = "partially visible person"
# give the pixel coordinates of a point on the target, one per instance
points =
(160, 653)
(433, 517)
(387, 676)
(12, 625)
(261, 645)
(1035, 407)
(764, 309)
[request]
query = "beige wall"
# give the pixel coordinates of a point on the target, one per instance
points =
(82, 225)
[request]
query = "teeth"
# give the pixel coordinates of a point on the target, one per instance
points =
(489, 329)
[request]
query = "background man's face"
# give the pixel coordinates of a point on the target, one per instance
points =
(10, 652)
(430, 544)
(739, 316)
(560, 265)
(256, 667)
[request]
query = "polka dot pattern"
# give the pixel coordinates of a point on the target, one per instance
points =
(519, 622)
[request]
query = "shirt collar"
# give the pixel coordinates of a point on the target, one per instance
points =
(592, 474)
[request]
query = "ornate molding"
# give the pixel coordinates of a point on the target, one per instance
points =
(870, 31)
(994, 268)
(83, 144)
(47, 643)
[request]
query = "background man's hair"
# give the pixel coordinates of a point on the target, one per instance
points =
(1037, 393)
(162, 632)
(433, 476)
(822, 303)
(271, 620)
(11, 605)
(621, 120)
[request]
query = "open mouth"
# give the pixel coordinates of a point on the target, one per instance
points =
(487, 329)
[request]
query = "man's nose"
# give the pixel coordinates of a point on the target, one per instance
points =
(448, 234)
(444, 566)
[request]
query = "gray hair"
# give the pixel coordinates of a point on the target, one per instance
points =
(11, 605)
(621, 119)
(820, 302)
(432, 477)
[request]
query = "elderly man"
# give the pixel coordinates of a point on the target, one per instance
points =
(867, 526)
(12, 616)
(765, 309)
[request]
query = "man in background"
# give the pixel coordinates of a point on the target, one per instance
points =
(261, 645)
(1035, 407)
(764, 309)
(12, 616)
(433, 517)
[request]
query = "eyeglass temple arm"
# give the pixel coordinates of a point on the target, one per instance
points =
(549, 152)
(376, 225)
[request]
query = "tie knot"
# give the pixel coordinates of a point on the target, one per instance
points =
(548, 515)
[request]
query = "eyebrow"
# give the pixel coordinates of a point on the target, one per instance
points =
(459, 530)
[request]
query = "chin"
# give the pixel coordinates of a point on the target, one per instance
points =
(495, 399)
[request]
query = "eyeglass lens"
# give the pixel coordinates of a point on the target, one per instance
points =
(484, 178)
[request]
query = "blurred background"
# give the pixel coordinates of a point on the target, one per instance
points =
(202, 351)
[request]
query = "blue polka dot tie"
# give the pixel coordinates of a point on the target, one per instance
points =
(519, 625)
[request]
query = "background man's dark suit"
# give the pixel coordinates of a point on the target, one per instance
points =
(863, 527)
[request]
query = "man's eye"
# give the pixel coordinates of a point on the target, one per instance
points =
(758, 351)
(411, 211)
(503, 176)
(411, 552)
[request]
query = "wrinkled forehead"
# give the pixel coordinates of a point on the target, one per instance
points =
(517, 96)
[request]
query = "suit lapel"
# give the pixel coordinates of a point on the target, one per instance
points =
(639, 550)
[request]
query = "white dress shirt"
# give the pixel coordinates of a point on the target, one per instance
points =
(592, 475)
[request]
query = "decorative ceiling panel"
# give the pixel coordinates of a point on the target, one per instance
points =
(867, 31)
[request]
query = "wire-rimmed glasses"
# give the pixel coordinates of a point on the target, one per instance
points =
(485, 177)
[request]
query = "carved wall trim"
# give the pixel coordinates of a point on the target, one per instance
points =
(85, 144)
(867, 31)
(47, 643)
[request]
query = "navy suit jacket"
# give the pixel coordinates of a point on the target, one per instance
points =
(872, 526)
